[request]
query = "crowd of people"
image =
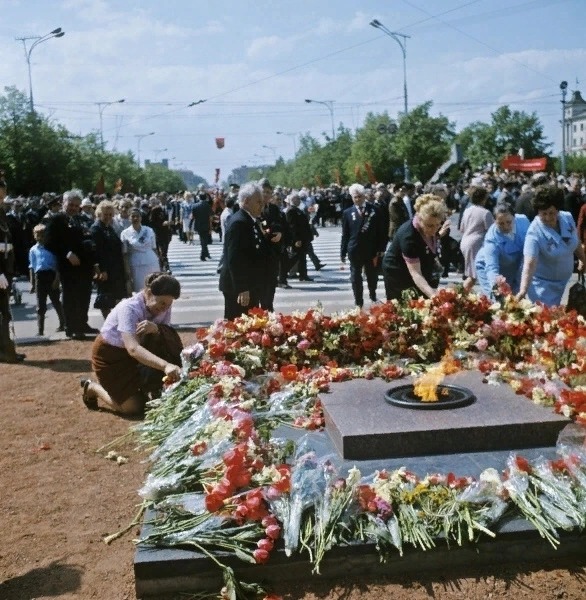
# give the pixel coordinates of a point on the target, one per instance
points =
(528, 231)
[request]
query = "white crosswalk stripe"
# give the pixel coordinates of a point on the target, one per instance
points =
(199, 281)
(201, 302)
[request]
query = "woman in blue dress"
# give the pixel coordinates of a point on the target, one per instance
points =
(502, 250)
(550, 246)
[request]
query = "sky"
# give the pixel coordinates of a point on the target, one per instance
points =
(254, 62)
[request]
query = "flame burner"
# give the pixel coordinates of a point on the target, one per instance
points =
(449, 396)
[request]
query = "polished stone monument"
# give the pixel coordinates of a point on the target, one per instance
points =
(364, 426)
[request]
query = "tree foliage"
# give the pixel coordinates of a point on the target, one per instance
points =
(38, 156)
(508, 132)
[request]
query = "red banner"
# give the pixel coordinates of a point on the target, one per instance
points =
(219, 142)
(516, 163)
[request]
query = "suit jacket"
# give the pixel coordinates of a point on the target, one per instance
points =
(299, 226)
(202, 215)
(64, 235)
(246, 255)
(362, 235)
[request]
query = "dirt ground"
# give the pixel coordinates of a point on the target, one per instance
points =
(59, 498)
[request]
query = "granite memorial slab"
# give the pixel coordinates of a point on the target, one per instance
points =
(364, 426)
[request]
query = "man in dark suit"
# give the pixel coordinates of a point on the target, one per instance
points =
(161, 225)
(301, 235)
(245, 255)
(274, 226)
(363, 241)
(71, 243)
(201, 213)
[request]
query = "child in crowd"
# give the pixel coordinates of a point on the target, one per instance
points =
(44, 279)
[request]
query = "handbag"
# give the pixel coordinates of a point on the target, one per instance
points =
(577, 296)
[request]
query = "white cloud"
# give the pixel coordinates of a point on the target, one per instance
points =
(271, 44)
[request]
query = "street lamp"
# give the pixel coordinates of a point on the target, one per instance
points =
(330, 105)
(564, 88)
(292, 136)
(56, 33)
(273, 149)
(401, 39)
(158, 151)
(195, 103)
(139, 137)
(101, 107)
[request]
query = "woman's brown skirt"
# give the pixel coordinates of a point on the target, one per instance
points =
(122, 376)
(116, 370)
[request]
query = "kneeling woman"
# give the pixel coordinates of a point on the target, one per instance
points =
(135, 335)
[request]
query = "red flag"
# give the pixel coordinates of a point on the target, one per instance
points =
(370, 172)
(217, 178)
(219, 142)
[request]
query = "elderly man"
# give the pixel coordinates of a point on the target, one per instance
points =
(246, 255)
(363, 241)
(71, 243)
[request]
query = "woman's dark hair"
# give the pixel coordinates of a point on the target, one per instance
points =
(547, 196)
(162, 284)
(478, 195)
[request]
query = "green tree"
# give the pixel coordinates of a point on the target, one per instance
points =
(508, 131)
(373, 145)
(424, 141)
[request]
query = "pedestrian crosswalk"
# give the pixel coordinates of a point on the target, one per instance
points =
(202, 302)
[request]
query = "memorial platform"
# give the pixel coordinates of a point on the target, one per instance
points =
(364, 426)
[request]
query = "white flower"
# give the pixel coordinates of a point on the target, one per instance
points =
(354, 476)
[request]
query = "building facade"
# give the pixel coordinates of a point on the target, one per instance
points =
(575, 123)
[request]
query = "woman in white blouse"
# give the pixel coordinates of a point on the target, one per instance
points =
(139, 247)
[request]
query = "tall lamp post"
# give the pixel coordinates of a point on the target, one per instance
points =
(401, 39)
(139, 137)
(292, 136)
(56, 33)
(158, 151)
(564, 88)
(330, 105)
(101, 107)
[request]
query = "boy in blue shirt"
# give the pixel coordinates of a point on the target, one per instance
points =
(44, 279)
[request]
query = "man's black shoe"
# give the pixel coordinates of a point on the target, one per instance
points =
(90, 330)
(285, 286)
(78, 336)
(320, 266)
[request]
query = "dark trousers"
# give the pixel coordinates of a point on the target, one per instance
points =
(44, 288)
(204, 240)
(299, 259)
(283, 267)
(356, 266)
(77, 293)
(232, 309)
(163, 242)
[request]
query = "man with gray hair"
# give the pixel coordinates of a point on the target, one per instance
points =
(71, 243)
(246, 255)
(363, 242)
